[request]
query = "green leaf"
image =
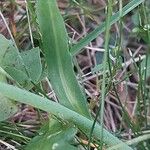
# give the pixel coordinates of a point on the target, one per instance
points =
(58, 58)
(146, 68)
(54, 135)
(11, 61)
(62, 112)
(143, 33)
(22, 67)
(135, 18)
(33, 64)
(7, 107)
(98, 68)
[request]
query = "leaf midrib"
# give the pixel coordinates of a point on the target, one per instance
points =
(60, 66)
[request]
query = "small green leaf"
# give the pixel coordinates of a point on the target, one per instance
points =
(11, 61)
(7, 107)
(33, 64)
(54, 136)
(135, 18)
(22, 67)
(146, 68)
(142, 33)
(98, 68)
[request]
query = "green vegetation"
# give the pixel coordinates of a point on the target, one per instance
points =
(66, 120)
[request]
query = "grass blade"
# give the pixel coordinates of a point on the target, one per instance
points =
(60, 111)
(101, 28)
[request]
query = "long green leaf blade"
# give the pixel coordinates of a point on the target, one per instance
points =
(60, 111)
(101, 28)
(60, 69)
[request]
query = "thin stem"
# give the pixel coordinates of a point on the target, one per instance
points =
(105, 61)
(30, 30)
(11, 36)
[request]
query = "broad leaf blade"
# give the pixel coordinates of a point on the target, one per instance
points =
(54, 135)
(11, 61)
(22, 67)
(60, 69)
(33, 64)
